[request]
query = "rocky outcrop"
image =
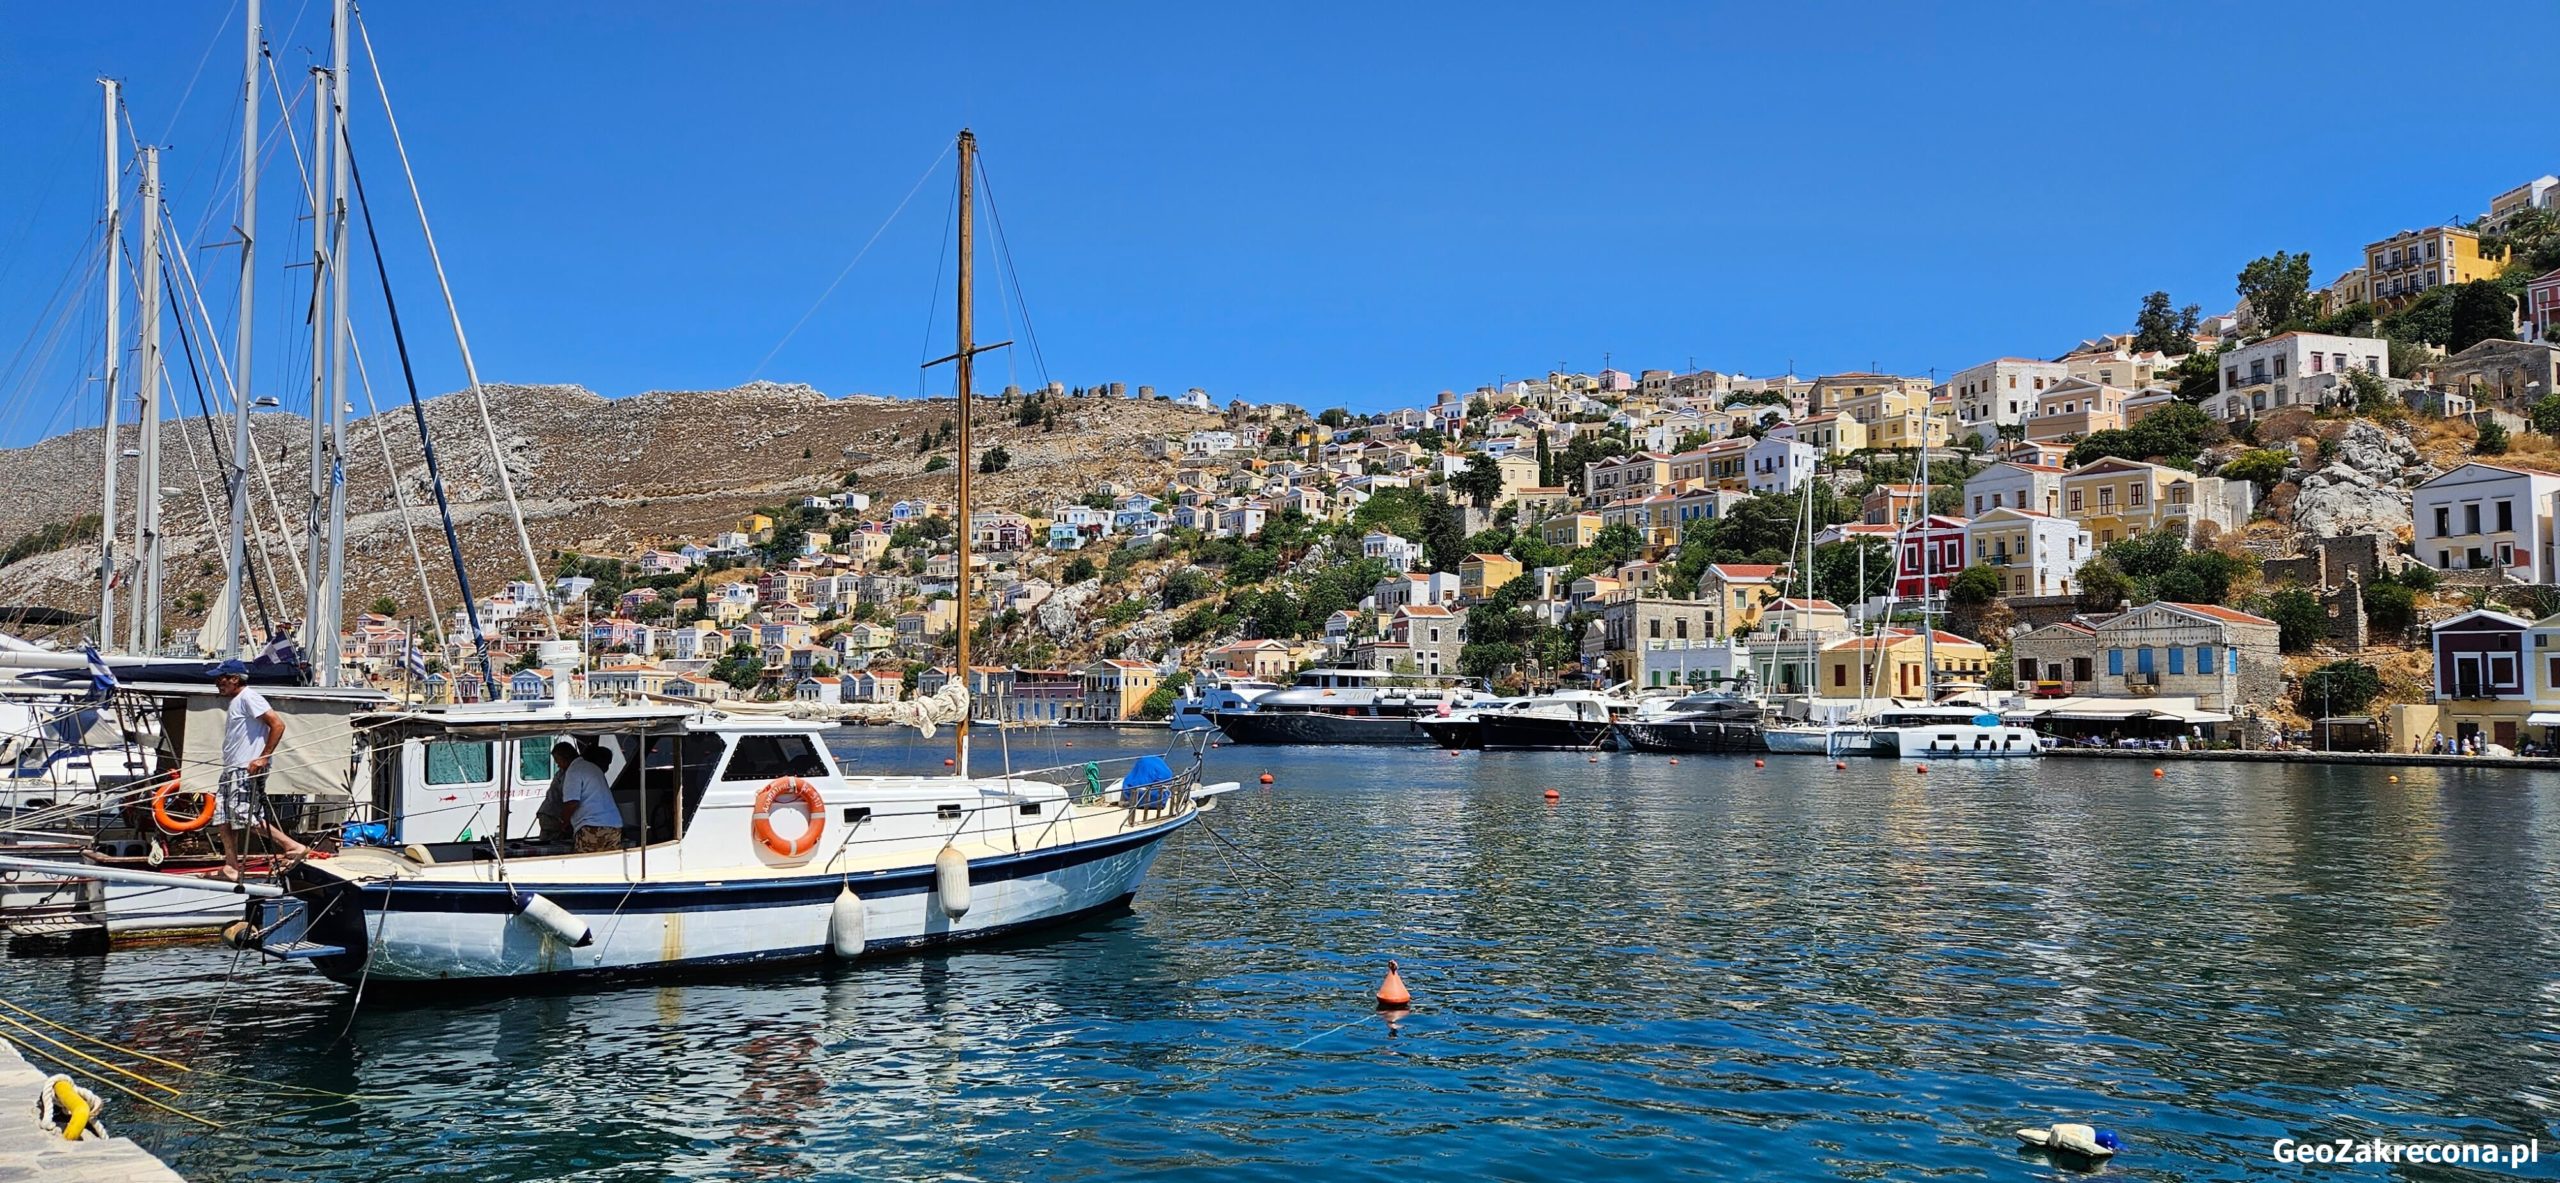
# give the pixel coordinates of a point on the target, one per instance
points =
(2363, 489)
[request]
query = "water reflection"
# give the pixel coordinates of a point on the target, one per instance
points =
(1704, 970)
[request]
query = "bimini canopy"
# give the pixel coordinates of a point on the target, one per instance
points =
(316, 758)
(501, 720)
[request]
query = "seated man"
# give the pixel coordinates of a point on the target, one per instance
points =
(555, 824)
(586, 801)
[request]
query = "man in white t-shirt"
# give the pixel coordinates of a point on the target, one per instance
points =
(586, 801)
(251, 732)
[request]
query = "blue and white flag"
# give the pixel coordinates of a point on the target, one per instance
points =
(102, 681)
(415, 661)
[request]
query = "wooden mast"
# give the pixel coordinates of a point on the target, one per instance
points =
(962, 358)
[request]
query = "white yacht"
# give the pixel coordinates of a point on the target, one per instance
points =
(1191, 709)
(1951, 731)
(744, 841)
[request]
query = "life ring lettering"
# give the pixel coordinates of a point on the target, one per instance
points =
(793, 789)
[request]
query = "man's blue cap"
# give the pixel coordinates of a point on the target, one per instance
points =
(234, 668)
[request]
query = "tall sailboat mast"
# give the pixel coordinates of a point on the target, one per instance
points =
(114, 271)
(963, 349)
(235, 565)
(315, 508)
(1928, 621)
(146, 509)
(325, 634)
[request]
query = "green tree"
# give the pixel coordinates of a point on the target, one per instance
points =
(2371, 392)
(384, 606)
(742, 666)
(994, 459)
(2389, 608)
(2482, 311)
(2338, 688)
(2102, 586)
(2164, 327)
(2278, 288)
(1186, 585)
(1836, 568)
(1480, 483)
(1444, 533)
(2198, 375)
(2263, 467)
(937, 464)
(2545, 414)
(2300, 620)
(2172, 435)
(2493, 439)
(1078, 570)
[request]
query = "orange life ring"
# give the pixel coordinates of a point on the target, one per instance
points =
(789, 788)
(160, 809)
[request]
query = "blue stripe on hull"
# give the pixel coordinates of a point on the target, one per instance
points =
(820, 888)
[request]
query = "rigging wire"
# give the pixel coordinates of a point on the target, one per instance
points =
(1004, 250)
(470, 368)
(222, 366)
(933, 303)
(867, 244)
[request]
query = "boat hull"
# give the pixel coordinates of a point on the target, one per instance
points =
(1457, 735)
(415, 931)
(1958, 742)
(1686, 736)
(1309, 727)
(1788, 741)
(1530, 733)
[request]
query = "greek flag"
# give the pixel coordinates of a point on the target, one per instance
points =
(102, 681)
(415, 662)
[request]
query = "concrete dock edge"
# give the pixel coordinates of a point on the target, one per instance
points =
(28, 1151)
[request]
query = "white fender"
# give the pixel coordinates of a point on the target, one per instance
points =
(951, 881)
(847, 925)
(562, 924)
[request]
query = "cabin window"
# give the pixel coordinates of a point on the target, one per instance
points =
(767, 757)
(533, 760)
(456, 763)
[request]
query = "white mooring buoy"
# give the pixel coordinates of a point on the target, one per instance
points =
(847, 925)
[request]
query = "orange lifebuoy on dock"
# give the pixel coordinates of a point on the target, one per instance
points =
(160, 809)
(789, 788)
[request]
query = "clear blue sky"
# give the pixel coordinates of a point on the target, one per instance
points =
(1361, 205)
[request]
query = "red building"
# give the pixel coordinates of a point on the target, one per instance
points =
(1935, 544)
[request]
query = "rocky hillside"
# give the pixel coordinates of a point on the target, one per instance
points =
(593, 474)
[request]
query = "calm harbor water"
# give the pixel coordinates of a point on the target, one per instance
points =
(1701, 970)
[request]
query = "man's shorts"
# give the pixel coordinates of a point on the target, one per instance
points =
(238, 802)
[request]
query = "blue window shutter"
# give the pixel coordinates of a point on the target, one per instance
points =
(2177, 660)
(2115, 662)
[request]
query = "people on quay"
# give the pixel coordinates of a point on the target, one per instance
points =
(251, 732)
(587, 805)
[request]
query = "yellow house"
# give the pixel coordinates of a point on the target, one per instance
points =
(2404, 266)
(1574, 530)
(1870, 405)
(1829, 433)
(1519, 473)
(1115, 689)
(1739, 591)
(2116, 499)
(1903, 430)
(1833, 392)
(1893, 664)
(1479, 574)
(756, 526)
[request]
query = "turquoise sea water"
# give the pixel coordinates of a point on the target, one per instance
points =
(1698, 971)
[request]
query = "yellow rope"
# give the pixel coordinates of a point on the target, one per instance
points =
(85, 1037)
(90, 1058)
(147, 1100)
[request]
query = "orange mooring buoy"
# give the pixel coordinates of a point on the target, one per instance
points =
(1391, 993)
(2395, 780)
(1266, 778)
(1839, 766)
(946, 761)
(1759, 764)
(1675, 759)
(2156, 773)
(1921, 767)
(1553, 795)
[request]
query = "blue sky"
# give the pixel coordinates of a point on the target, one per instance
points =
(1355, 205)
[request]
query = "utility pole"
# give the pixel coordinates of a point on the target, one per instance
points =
(968, 164)
(106, 624)
(146, 508)
(334, 587)
(315, 509)
(235, 583)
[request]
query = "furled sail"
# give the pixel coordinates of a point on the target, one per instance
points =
(941, 708)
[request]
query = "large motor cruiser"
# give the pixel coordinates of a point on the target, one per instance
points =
(1569, 720)
(1710, 721)
(1349, 706)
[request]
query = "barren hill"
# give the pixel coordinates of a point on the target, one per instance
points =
(593, 474)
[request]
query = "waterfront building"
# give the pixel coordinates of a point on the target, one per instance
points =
(1629, 623)
(2291, 370)
(2404, 266)
(1114, 688)
(2222, 658)
(2483, 678)
(1894, 664)
(2014, 485)
(2036, 554)
(2486, 517)
(1999, 393)
(1786, 650)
